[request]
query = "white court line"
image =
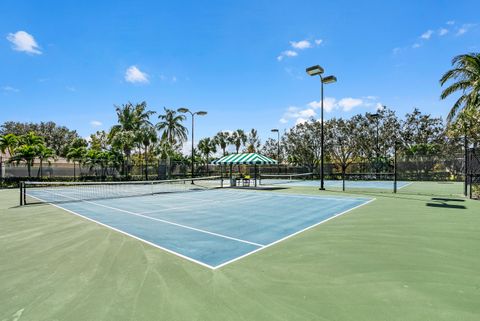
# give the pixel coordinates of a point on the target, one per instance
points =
(293, 234)
(168, 222)
(128, 234)
(227, 262)
(319, 197)
(241, 200)
(405, 185)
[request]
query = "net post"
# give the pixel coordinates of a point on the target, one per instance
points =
(395, 167)
(21, 193)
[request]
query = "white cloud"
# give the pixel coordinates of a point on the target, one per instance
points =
(300, 120)
(302, 44)
(23, 41)
(461, 31)
(96, 123)
(427, 34)
(442, 32)
(71, 88)
(450, 22)
(396, 50)
(287, 53)
(135, 75)
(349, 103)
(379, 106)
(416, 45)
(10, 89)
(318, 42)
(329, 104)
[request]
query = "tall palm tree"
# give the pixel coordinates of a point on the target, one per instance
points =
(222, 139)
(44, 154)
(146, 136)
(466, 76)
(130, 119)
(173, 132)
(76, 154)
(26, 153)
(238, 138)
(8, 143)
(171, 126)
(207, 146)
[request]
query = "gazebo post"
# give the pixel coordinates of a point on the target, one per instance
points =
(255, 174)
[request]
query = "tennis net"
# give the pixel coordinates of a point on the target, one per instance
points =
(269, 179)
(61, 192)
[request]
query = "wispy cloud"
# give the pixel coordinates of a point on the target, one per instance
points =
(451, 22)
(464, 29)
(10, 89)
(135, 75)
(96, 123)
(442, 32)
(427, 34)
(416, 45)
(302, 44)
(297, 46)
(287, 53)
(71, 88)
(330, 104)
(25, 42)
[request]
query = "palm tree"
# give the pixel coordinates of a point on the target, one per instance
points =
(76, 154)
(222, 139)
(171, 126)
(466, 74)
(238, 138)
(206, 146)
(8, 143)
(44, 154)
(130, 119)
(26, 153)
(147, 135)
(173, 132)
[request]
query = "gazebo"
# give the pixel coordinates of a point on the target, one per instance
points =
(245, 159)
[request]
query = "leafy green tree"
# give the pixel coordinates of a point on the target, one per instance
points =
(341, 142)
(238, 138)
(270, 149)
(8, 143)
(26, 153)
(207, 146)
(56, 137)
(222, 139)
(466, 76)
(253, 141)
(303, 145)
(99, 140)
(146, 137)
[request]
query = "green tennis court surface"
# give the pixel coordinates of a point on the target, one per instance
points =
(403, 257)
(209, 227)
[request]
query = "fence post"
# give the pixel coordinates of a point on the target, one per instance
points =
(395, 167)
(1, 170)
(21, 193)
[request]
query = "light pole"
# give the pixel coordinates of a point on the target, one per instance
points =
(199, 113)
(318, 71)
(376, 116)
(275, 130)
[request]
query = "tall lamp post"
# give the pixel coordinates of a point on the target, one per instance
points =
(275, 130)
(376, 116)
(199, 113)
(318, 71)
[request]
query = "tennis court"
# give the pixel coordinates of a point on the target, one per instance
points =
(212, 227)
(305, 180)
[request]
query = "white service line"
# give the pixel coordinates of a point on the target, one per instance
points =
(168, 222)
(293, 234)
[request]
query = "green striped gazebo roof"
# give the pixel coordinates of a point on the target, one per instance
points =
(245, 158)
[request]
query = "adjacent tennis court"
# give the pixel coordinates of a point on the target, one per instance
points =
(212, 227)
(306, 179)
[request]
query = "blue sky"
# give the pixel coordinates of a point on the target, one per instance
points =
(242, 61)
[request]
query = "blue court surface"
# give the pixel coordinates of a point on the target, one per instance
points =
(338, 184)
(211, 227)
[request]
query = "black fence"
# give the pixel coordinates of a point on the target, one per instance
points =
(425, 168)
(473, 171)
